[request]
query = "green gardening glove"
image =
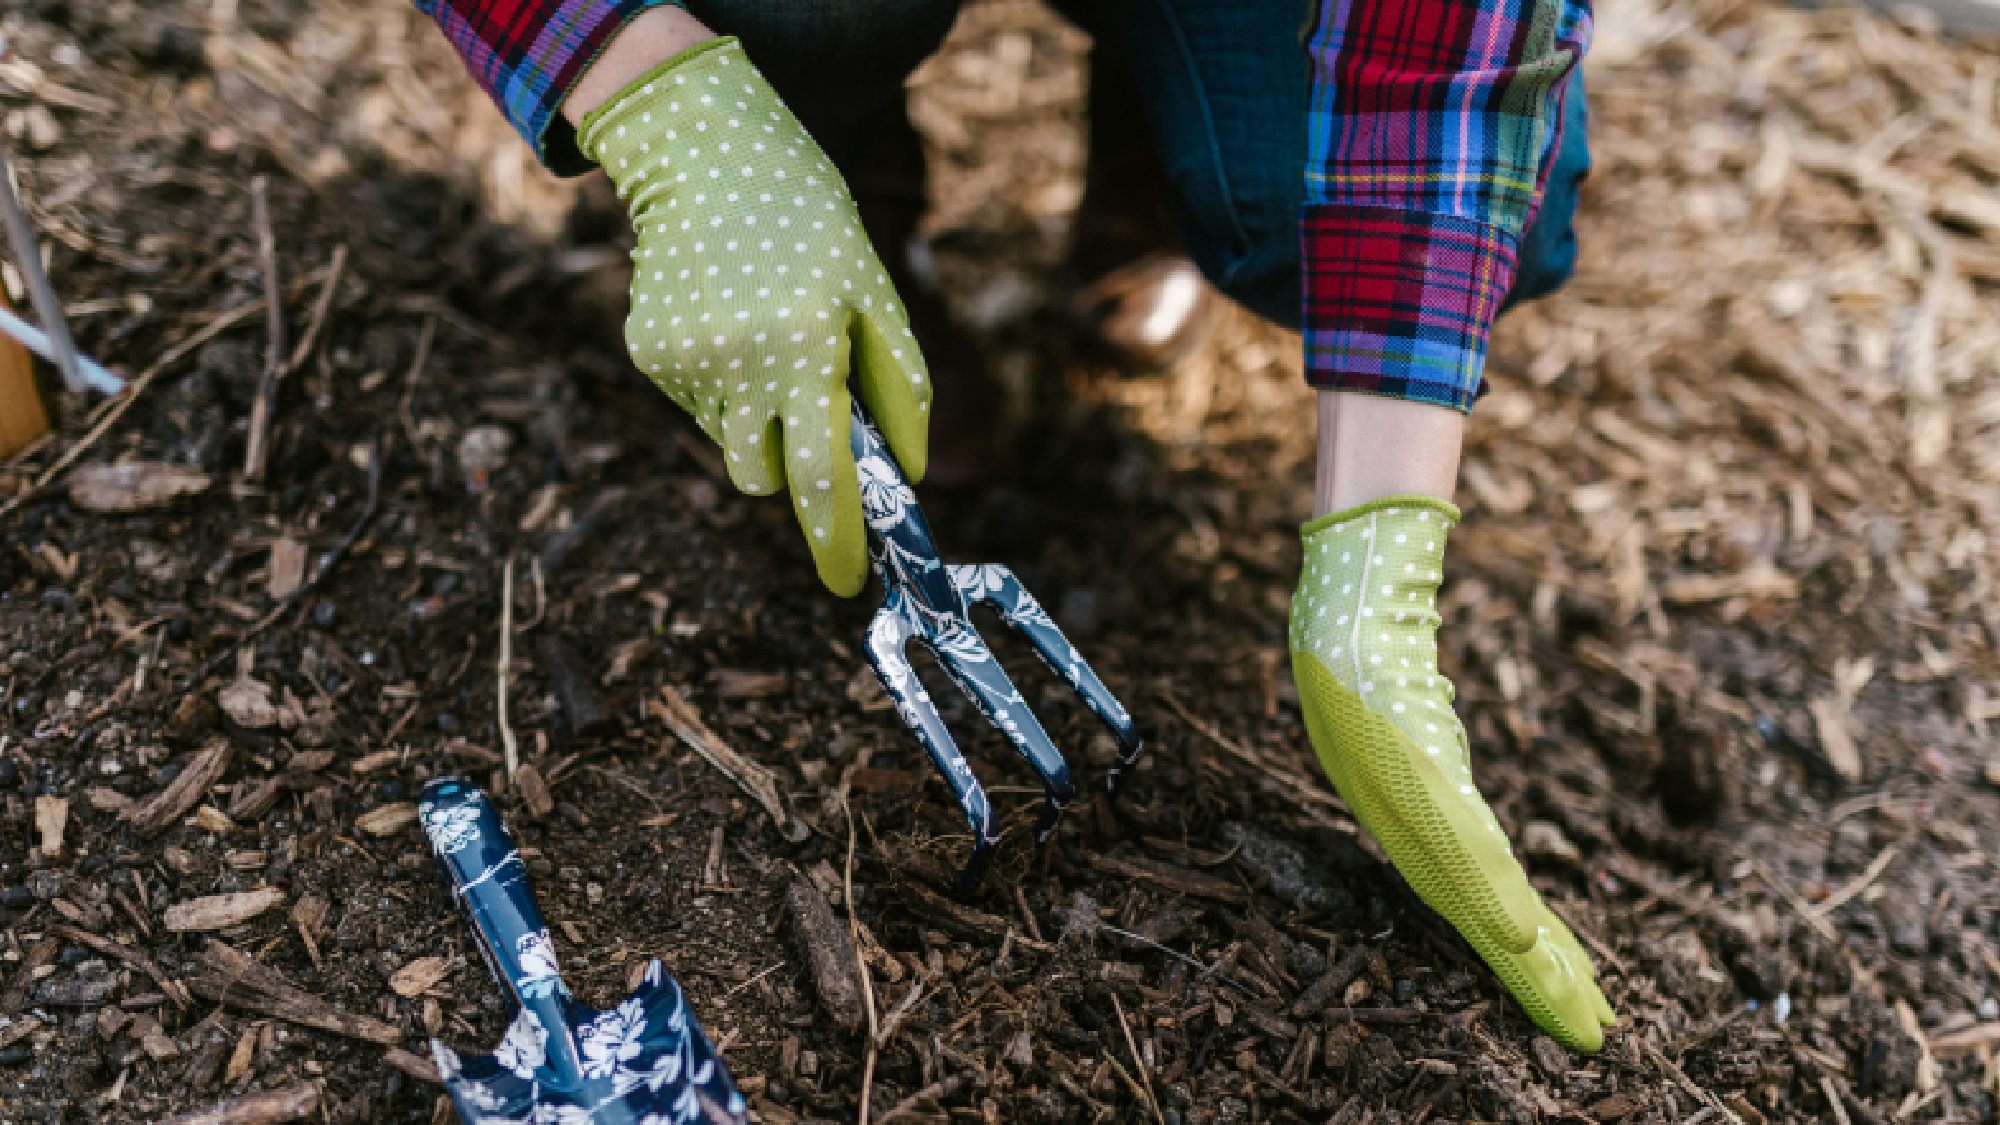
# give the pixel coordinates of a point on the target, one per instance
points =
(755, 292)
(1364, 653)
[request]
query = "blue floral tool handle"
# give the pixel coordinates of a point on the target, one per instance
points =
(927, 601)
(644, 1062)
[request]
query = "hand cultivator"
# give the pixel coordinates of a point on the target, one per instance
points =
(930, 602)
(644, 1062)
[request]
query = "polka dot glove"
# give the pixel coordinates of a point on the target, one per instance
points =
(1364, 652)
(755, 292)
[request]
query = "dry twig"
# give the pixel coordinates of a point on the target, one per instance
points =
(681, 718)
(257, 449)
(511, 748)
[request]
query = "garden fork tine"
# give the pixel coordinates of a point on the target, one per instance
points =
(996, 586)
(930, 603)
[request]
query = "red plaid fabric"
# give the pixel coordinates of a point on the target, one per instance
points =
(528, 53)
(1432, 125)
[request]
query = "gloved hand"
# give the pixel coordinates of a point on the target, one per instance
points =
(1364, 653)
(755, 291)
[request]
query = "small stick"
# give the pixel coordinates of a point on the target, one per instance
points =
(861, 963)
(266, 1107)
(257, 451)
(327, 562)
(327, 291)
(1027, 914)
(681, 718)
(1792, 898)
(112, 410)
(711, 873)
(507, 743)
(1833, 1099)
(1137, 1060)
(902, 1008)
(411, 380)
(28, 257)
(936, 1091)
(176, 992)
(1840, 897)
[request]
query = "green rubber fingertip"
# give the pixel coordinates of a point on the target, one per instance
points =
(842, 566)
(842, 556)
(899, 405)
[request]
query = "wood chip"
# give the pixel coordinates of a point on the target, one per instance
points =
(414, 1065)
(266, 1107)
(231, 977)
(216, 912)
(734, 683)
(132, 486)
(243, 1055)
(387, 820)
(288, 567)
(1830, 719)
(247, 702)
(255, 801)
(211, 819)
(39, 956)
(534, 791)
(829, 949)
(1321, 992)
(168, 806)
(1759, 581)
(1167, 877)
(17, 1029)
(963, 920)
(419, 976)
(1966, 1039)
(369, 763)
(51, 815)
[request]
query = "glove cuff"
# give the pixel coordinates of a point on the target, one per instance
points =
(601, 127)
(1389, 505)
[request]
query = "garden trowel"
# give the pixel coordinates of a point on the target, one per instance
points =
(644, 1062)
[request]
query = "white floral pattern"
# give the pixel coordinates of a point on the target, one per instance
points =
(525, 1048)
(613, 1038)
(540, 974)
(884, 496)
(978, 581)
(451, 828)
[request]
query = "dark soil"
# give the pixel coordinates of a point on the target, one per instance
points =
(1654, 750)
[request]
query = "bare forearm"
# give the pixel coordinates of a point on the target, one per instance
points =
(1371, 447)
(651, 38)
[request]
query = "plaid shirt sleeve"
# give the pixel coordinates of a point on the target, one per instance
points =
(528, 53)
(1432, 125)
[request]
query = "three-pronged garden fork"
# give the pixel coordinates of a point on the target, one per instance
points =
(929, 602)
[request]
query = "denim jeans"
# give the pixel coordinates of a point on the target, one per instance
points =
(1225, 87)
